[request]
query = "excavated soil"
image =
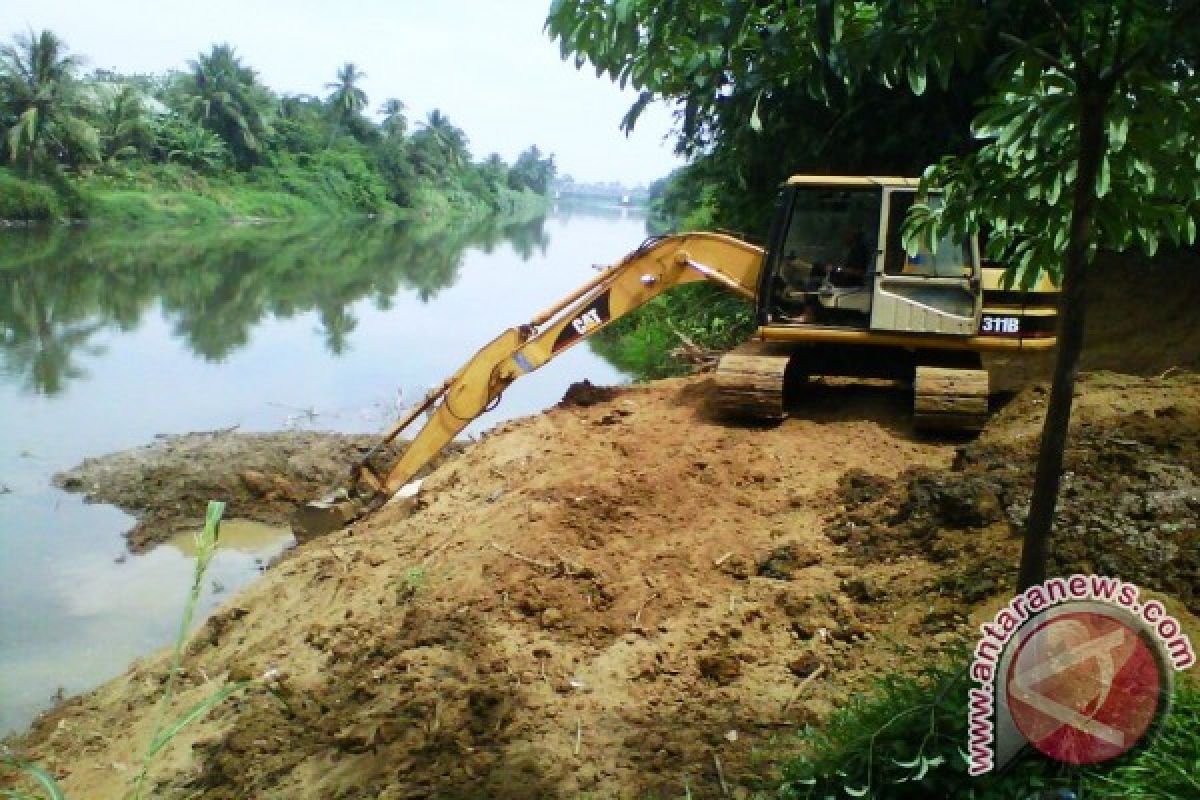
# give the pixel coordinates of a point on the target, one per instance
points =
(261, 476)
(1129, 504)
(622, 597)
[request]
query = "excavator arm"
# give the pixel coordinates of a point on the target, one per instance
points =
(657, 265)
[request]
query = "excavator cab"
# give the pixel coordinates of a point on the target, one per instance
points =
(837, 260)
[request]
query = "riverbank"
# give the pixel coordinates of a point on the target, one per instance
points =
(531, 629)
(262, 477)
(173, 194)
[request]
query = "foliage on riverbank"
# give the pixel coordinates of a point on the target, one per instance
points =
(212, 143)
(697, 317)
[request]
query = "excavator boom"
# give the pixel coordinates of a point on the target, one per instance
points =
(659, 264)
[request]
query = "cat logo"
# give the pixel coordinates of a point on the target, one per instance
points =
(588, 320)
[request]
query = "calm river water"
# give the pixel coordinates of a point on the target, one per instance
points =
(107, 339)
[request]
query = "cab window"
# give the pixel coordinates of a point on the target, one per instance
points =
(830, 228)
(951, 259)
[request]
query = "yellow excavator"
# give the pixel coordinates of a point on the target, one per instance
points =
(835, 293)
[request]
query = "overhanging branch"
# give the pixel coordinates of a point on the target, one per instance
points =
(1041, 53)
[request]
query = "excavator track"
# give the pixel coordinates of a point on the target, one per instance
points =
(949, 399)
(749, 382)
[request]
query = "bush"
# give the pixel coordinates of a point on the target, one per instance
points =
(29, 200)
(703, 314)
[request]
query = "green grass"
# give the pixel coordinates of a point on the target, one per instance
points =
(907, 740)
(221, 204)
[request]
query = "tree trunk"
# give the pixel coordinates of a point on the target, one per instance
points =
(1072, 307)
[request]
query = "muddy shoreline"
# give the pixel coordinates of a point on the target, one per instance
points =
(166, 485)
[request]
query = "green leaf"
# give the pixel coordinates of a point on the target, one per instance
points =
(631, 116)
(853, 792)
(1104, 178)
(623, 9)
(1118, 132)
(755, 119)
(194, 713)
(1054, 190)
(47, 781)
(916, 80)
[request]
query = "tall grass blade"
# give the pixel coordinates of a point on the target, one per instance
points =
(206, 547)
(53, 790)
(194, 713)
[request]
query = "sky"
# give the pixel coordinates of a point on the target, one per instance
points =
(485, 63)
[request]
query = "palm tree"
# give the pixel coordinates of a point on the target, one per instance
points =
(39, 90)
(126, 125)
(532, 171)
(494, 172)
(347, 100)
(394, 122)
(223, 95)
(450, 139)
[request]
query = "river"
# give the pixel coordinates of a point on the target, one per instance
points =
(108, 339)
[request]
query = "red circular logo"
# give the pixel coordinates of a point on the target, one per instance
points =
(1084, 687)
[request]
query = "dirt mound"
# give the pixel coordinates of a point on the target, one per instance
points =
(582, 394)
(261, 476)
(624, 599)
(1129, 505)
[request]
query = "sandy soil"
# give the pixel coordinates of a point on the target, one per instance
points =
(623, 597)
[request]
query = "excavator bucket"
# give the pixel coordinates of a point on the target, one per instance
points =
(326, 515)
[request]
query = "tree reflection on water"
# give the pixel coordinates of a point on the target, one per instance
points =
(59, 286)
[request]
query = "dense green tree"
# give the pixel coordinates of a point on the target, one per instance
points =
(301, 127)
(213, 117)
(1091, 140)
(447, 137)
(494, 171)
(224, 95)
(395, 164)
(1087, 136)
(347, 101)
(532, 171)
(394, 121)
(40, 101)
(124, 123)
(183, 141)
